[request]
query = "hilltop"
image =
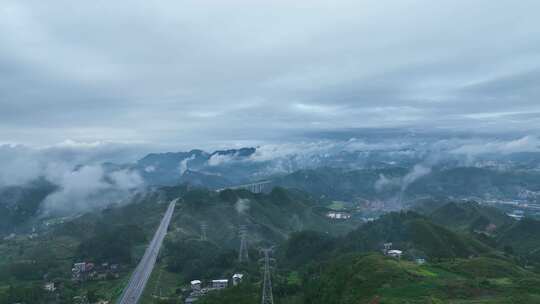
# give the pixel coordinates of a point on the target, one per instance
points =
(470, 216)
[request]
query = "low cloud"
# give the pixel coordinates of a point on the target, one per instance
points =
(19, 165)
(417, 172)
(523, 144)
(219, 159)
(242, 205)
(184, 164)
(88, 188)
(384, 183)
(76, 168)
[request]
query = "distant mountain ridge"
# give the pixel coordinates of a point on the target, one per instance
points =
(172, 168)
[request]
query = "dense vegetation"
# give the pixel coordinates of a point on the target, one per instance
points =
(317, 268)
(118, 235)
(474, 254)
(470, 216)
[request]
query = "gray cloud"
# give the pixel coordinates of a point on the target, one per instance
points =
(198, 72)
(76, 169)
(242, 205)
(21, 164)
(87, 188)
(524, 144)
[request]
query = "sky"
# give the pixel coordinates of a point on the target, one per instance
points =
(189, 73)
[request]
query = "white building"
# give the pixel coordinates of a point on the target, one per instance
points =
(220, 284)
(338, 215)
(395, 253)
(517, 214)
(237, 278)
(196, 285)
(49, 286)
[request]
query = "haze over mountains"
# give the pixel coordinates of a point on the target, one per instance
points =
(391, 166)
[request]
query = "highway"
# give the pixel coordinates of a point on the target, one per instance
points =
(133, 291)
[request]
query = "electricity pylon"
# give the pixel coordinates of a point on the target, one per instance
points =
(243, 255)
(267, 297)
(204, 227)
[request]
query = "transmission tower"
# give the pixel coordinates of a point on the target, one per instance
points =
(204, 227)
(243, 255)
(267, 297)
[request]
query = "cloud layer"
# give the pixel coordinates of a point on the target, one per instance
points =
(200, 71)
(76, 169)
(88, 188)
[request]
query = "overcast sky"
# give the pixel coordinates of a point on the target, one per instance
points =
(157, 72)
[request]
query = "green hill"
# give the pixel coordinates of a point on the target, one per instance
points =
(373, 278)
(523, 238)
(411, 231)
(317, 268)
(357, 279)
(484, 267)
(470, 216)
(269, 217)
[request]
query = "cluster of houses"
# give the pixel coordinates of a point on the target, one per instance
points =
(197, 289)
(338, 215)
(89, 271)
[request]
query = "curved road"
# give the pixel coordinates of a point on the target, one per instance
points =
(133, 291)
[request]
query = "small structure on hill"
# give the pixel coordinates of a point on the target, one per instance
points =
(395, 253)
(196, 285)
(237, 278)
(80, 270)
(516, 214)
(49, 286)
(386, 248)
(198, 290)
